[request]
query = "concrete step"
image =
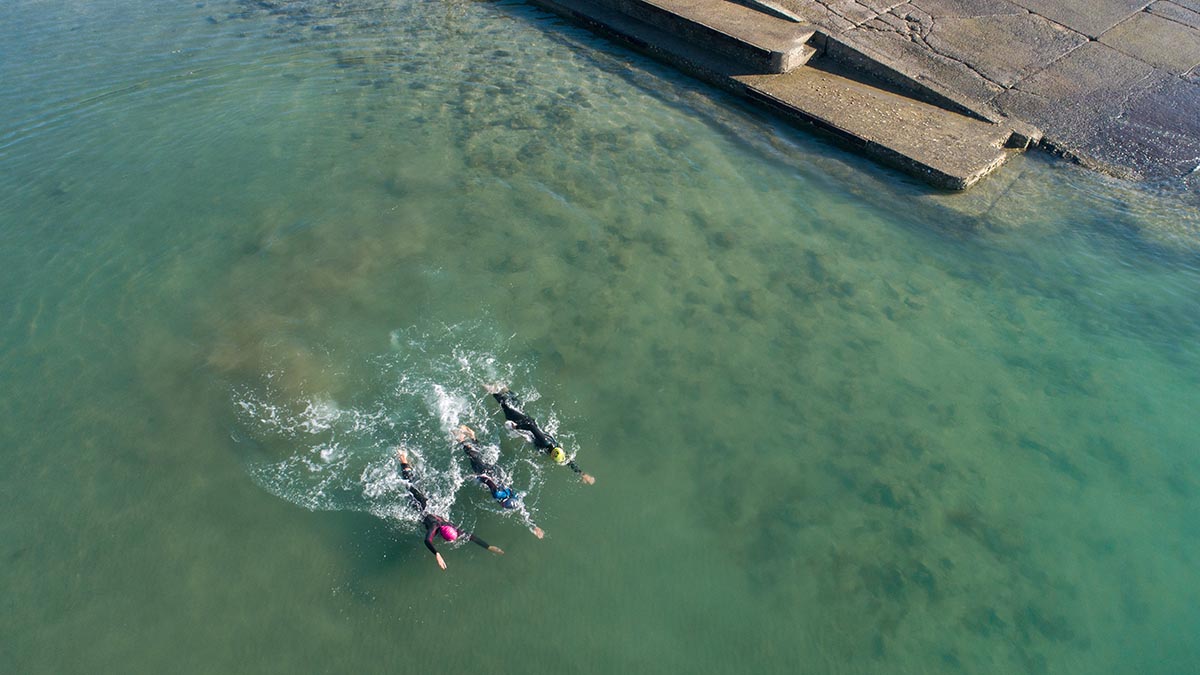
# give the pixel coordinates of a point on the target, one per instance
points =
(761, 41)
(947, 149)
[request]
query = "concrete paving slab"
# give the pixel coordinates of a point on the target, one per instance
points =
(1193, 5)
(1151, 137)
(1027, 43)
(852, 11)
(950, 150)
(1090, 17)
(915, 61)
(960, 8)
(1176, 12)
(817, 14)
(1094, 77)
(1157, 41)
(1113, 112)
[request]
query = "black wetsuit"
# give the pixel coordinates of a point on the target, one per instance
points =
(484, 472)
(541, 440)
(431, 522)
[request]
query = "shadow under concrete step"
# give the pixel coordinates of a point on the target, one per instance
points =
(761, 41)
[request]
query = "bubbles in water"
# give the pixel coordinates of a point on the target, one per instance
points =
(328, 455)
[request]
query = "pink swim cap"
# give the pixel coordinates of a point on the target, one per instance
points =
(448, 532)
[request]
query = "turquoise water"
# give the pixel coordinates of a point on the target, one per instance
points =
(839, 424)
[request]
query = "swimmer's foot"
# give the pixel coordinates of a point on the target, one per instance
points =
(495, 387)
(464, 432)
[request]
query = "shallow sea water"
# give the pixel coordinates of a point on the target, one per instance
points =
(839, 423)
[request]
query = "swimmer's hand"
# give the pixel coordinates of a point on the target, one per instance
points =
(496, 550)
(537, 532)
(441, 563)
(587, 478)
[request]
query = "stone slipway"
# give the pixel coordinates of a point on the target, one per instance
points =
(766, 58)
(1114, 84)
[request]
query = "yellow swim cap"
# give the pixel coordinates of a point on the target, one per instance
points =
(558, 455)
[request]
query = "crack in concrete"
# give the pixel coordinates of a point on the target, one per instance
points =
(918, 33)
(1173, 19)
(973, 69)
(1135, 90)
(847, 18)
(1060, 57)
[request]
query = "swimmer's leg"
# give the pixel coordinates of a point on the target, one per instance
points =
(463, 432)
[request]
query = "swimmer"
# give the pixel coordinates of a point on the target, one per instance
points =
(435, 525)
(517, 420)
(488, 475)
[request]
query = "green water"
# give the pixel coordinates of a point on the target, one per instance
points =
(839, 424)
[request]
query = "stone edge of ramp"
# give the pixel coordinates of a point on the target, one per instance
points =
(936, 143)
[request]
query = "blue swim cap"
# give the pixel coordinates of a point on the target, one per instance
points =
(501, 494)
(511, 502)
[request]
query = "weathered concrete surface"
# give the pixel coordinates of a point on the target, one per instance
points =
(944, 148)
(1112, 83)
(1178, 11)
(1090, 17)
(947, 149)
(1158, 41)
(1137, 117)
(747, 35)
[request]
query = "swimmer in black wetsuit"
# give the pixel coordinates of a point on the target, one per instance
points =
(434, 524)
(489, 475)
(516, 419)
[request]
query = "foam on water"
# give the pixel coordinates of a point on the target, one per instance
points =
(321, 455)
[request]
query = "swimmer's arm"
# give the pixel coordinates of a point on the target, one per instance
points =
(429, 545)
(477, 540)
(487, 480)
(585, 477)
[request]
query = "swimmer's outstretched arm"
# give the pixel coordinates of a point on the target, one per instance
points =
(585, 477)
(537, 531)
(429, 532)
(477, 540)
(491, 485)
